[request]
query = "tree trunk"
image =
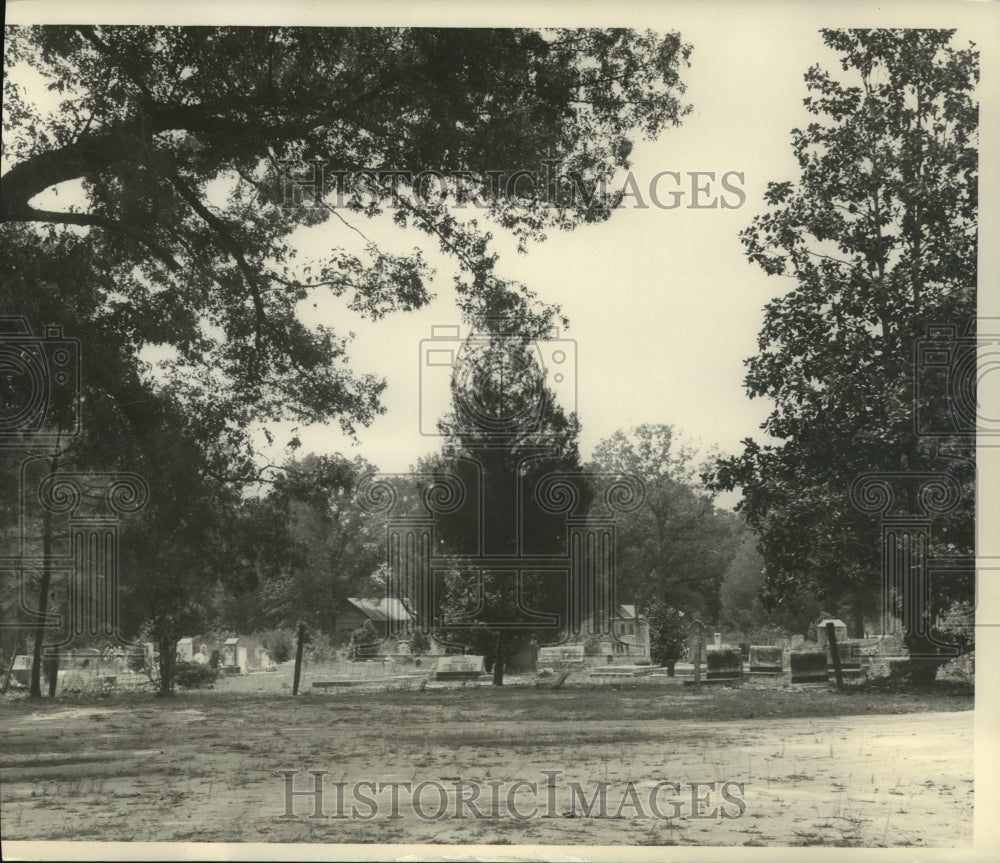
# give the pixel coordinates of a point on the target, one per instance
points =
(35, 690)
(498, 660)
(670, 667)
(168, 657)
(52, 671)
(300, 644)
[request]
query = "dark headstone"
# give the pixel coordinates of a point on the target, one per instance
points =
(809, 667)
(724, 664)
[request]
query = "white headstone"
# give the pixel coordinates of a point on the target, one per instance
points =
(185, 649)
(459, 666)
(241, 659)
(560, 653)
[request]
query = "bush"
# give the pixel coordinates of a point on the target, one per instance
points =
(419, 643)
(668, 633)
(191, 675)
(363, 641)
(280, 644)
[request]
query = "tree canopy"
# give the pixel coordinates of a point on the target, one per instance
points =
(878, 237)
(676, 546)
(171, 142)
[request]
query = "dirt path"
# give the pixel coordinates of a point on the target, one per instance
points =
(211, 772)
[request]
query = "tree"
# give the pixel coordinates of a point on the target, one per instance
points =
(742, 608)
(179, 547)
(504, 435)
(311, 545)
(178, 138)
(668, 632)
(676, 546)
(879, 236)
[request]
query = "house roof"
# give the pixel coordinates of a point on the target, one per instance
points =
(381, 609)
(626, 612)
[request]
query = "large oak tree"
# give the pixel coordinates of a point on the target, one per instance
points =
(178, 137)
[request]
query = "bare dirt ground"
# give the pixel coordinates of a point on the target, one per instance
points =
(817, 767)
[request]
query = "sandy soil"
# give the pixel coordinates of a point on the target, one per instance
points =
(207, 766)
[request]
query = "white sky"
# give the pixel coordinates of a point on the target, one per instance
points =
(663, 307)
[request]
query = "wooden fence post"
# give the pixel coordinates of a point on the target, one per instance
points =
(831, 638)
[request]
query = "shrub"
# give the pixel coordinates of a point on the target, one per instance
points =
(363, 641)
(280, 644)
(668, 631)
(419, 643)
(191, 675)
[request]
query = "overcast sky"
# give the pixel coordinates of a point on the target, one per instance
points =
(663, 307)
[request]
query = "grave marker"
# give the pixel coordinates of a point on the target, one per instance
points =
(459, 668)
(809, 667)
(561, 653)
(185, 649)
(724, 664)
(765, 659)
(229, 658)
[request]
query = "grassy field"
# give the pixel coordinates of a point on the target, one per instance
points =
(867, 767)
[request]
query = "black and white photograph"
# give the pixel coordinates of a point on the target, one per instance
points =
(539, 432)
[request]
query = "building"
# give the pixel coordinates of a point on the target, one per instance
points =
(387, 615)
(631, 633)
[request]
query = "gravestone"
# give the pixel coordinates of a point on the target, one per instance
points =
(458, 668)
(229, 652)
(185, 649)
(809, 667)
(560, 654)
(839, 632)
(724, 664)
(693, 655)
(765, 659)
(21, 669)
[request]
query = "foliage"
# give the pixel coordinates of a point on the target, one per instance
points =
(192, 675)
(668, 632)
(676, 546)
(506, 432)
(742, 609)
(306, 543)
(879, 236)
(420, 643)
(362, 640)
(279, 645)
(177, 138)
